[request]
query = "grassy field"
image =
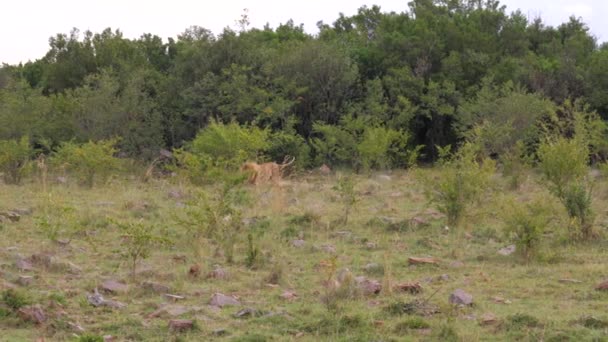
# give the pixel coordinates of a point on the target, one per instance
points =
(298, 279)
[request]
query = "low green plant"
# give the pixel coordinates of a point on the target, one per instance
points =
(90, 338)
(514, 163)
(139, 240)
(56, 219)
(253, 253)
(15, 299)
(15, 158)
(564, 165)
(90, 162)
(345, 187)
(461, 181)
(525, 225)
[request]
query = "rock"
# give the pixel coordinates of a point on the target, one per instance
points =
(602, 287)
(324, 170)
(220, 332)
(412, 288)
(218, 273)
(385, 178)
(11, 216)
(456, 264)
(174, 297)
(32, 313)
(488, 319)
(418, 221)
(570, 281)
(395, 194)
(76, 327)
(289, 295)
(23, 265)
(109, 338)
(113, 286)
(155, 287)
(298, 243)
(221, 300)
(23, 211)
(248, 312)
(41, 259)
(444, 277)
(181, 324)
(417, 261)
(24, 280)
(460, 297)
(195, 271)
(327, 248)
(371, 245)
(500, 300)
(175, 194)
(96, 299)
(373, 268)
(61, 180)
(368, 287)
(507, 250)
(169, 310)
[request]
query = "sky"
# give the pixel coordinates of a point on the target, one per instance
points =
(26, 25)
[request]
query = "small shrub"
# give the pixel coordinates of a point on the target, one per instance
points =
(525, 225)
(139, 240)
(345, 187)
(521, 320)
(190, 166)
(411, 323)
(15, 159)
(514, 165)
(461, 181)
(91, 162)
(253, 253)
(283, 144)
(15, 299)
(90, 338)
(55, 219)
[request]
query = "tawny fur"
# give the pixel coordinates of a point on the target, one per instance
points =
(265, 172)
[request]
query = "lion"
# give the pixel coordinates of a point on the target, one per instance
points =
(266, 172)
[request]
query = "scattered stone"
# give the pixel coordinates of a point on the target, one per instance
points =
(327, 248)
(500, 300)
(32, 313)
(23, 211)
(371, 245)
(96, 299)
(221, 300)
(218, 273)
(169, 310)
(324, 170)
(395, 194)
(342, 234)
(195, 271)
(248, 312)
(418, 221)
(460, 297)
(456, 264)
(602, 287)
(41, 259)
(109, 338)
(181, 324)
(113, 286)
(368, 287)
(373, 268)
(289, 295)
(155, 287)
(11, 216)
(570, 281)
(507, 250)
(76, 327)
(418, 261)
(415, 307)
(298, 243)
(24, 265)
(413, 288)
(488, 319)
(173, 297)
(385, 178)
(175, 194)
(24, 280)
(220, 332)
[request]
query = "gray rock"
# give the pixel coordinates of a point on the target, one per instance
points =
(248, 312)
(24, 280)
(221, 300)
(32, 313)
(181, 324)
(368, 287)
(113, 286)
(507, 250)
(373, 268)
(155, 287)
(298, 243)
(460, 297)
(23, 265)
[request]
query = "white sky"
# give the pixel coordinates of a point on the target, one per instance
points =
(26, 25)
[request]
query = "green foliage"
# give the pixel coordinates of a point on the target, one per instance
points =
(461, 181)
(284, 143)
(90, 338)
(525, 224)
(229, 145)
(56, 219)
(15, 159)
(514, 164)
(564, 165)
(15, 299)
(345, 187)
(190, 166)
(91, 162)
(139, 240)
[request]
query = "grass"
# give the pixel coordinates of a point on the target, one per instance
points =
(379, 230)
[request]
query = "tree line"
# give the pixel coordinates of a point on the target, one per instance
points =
(372, 90)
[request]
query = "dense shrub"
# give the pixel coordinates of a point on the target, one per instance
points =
(90, 162)
(525, 225)
(15, 159)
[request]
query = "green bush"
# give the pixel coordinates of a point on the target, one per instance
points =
(345, 187)
(229, 145)
(15, 159)
(564, 165)
(525, 225)
(190, 166)
(90, 162)
(289, 144)
(461, 181)
(15, 299)
(139, 240)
